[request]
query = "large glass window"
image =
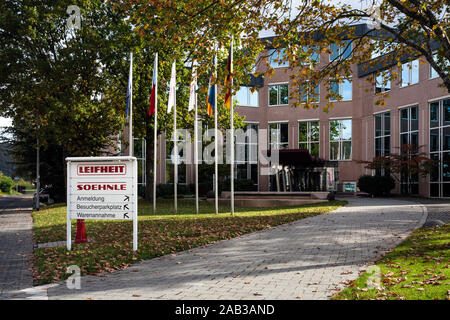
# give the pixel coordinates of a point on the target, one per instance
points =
(342, 90)
(341, 51)
(279, 135)
(313, 53)
(341, 139)
(383, 82)
(278, 95)
(247, 166)
(309, 136)
(308, 94)
(278, 58)
(380, 48)
(440, 148)
(245, 97)
(382, 137)
(433, 73)
(410, 73)
(409, 135)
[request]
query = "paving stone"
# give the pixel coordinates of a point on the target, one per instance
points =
(16, 244)
(326, 250)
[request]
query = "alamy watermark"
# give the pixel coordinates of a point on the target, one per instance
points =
(374, 279)
(246, 148)
(74, 281)
(74, 20)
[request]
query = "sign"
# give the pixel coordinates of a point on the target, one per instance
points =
(102, 188)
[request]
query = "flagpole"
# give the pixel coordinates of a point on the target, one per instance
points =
(155, 133)
(196, 153)
(130, 125)
(175, 149)
(216, 140)
(232, 129)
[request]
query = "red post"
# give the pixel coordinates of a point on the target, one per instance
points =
(81, 232)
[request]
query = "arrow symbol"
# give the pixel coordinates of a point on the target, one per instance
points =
(127, 198)
(125, 215)
(125, 207)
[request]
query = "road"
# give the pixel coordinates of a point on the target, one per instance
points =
(16, 243)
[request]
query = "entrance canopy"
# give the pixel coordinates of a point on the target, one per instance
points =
(299, 158)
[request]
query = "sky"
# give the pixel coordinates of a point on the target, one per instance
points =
(356, 4)
(5, 122)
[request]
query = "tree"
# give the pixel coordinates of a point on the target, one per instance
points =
(400, 30)
(53, 79)
(159, 28)
(409, 161)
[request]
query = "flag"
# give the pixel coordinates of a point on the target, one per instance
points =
(192, 89)
(172, 88)
(151, 109)
(129, 87)
(228, 82)
(211, 98)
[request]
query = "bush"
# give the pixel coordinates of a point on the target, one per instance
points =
(6, 184)
(239, 185)
(376, 185)
(165, 190)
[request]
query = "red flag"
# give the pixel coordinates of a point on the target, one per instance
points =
(228, 82)
(151, 109)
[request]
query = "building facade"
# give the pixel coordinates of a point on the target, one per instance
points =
(417, 111)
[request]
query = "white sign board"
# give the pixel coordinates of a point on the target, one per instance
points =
(102, 188)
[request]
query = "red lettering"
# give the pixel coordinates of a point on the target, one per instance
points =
(106, 187)
(105, 169)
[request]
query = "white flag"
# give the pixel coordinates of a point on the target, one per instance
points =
(193, 89)
(172, 89)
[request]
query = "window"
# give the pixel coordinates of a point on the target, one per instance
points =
(383, 82)
(440, 148)
(313, 53)
(410, 73)
(245, 97)
(278, 95)
(433, 73)
(278, 58)
(349, 187)
(380, 48)
(409, 135)
(309, 95)
(341, 51)
(247, 167)
(341, 91)
(341, 139)
(308, 136)
(382, 137)
(279, 136)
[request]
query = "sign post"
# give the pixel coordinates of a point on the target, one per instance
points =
(102, 188)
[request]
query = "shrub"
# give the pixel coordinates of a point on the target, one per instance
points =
(376, 185)
(239, 185)
(6, 184)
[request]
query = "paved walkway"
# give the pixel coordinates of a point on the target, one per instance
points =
(306, 259)
(438, 209)
(16, 243)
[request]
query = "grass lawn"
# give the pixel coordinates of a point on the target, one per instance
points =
(111, 246)
(418, 269)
